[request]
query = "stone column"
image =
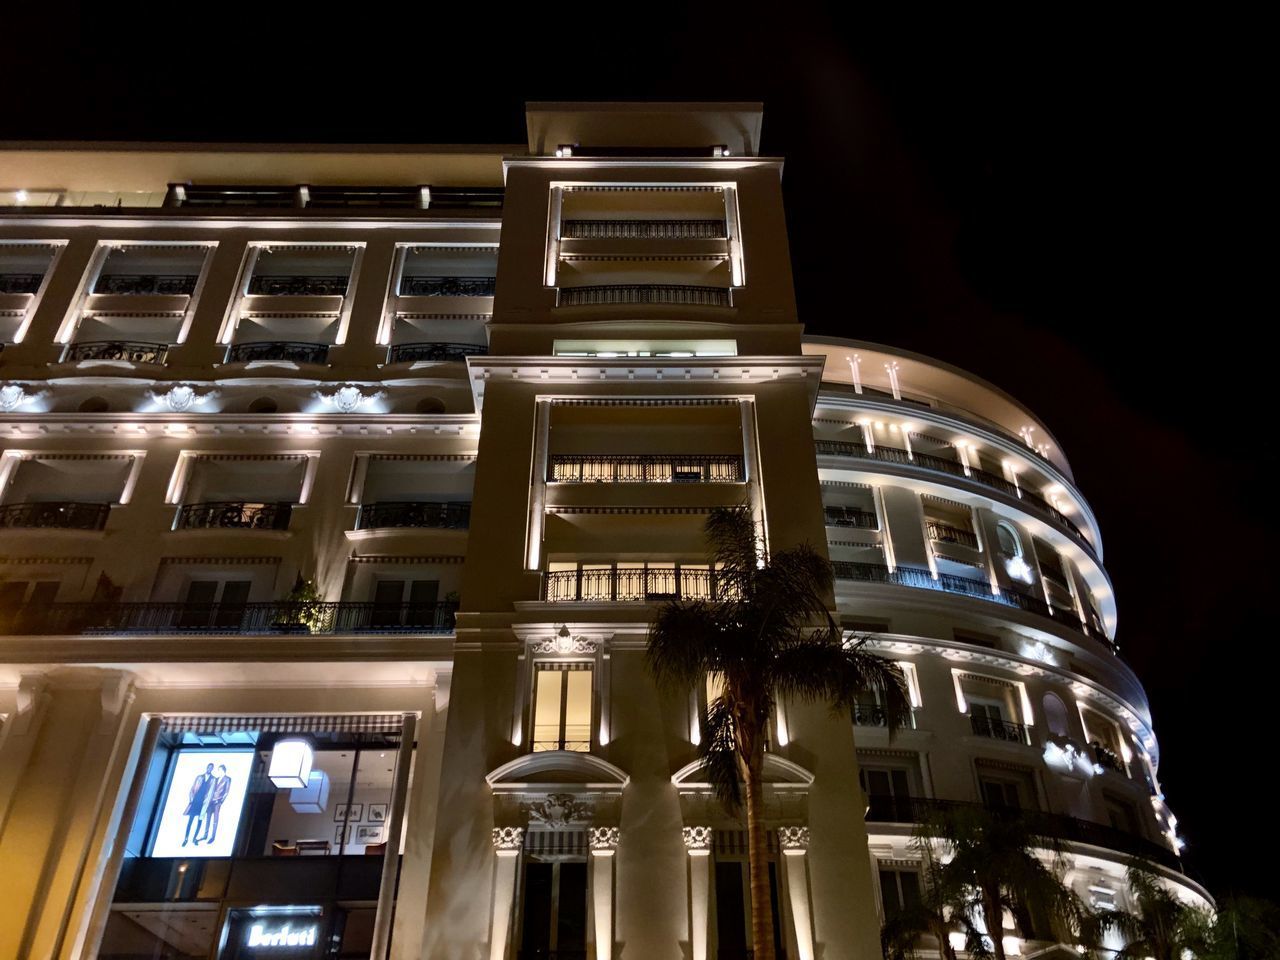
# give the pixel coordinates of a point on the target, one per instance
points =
(697, 841)
(604, 844)
(794, 842)
(507, 843)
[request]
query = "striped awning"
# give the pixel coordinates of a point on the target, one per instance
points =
(327, 723)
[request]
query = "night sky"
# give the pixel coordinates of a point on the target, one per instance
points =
(1063, 206)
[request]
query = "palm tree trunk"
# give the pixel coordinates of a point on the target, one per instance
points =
(758, 852)
(993, 913)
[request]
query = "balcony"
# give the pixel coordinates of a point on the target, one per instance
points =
(434, 352)
(643, 230)
(279, 351)
(1106, 758)
(650, 584)
(887, 809)
(315, 617)
(59, 515)
(646, 293)
(269, 285)
(626, 468)
(869, 715)
(851, 517)
(234, 515)
(425, 286)
(20, 283)
(833, 448)
(130, 351)
(146, 284)
(414, 513)
(945, 533)
(995, 729)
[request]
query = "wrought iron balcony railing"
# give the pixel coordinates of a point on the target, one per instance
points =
(834, 448)
(945, 533)
(629, 585)
(888, 809)
(996, 729)
(562, 743)
(643, 230)
(266, 285)
(641, 293)
(434, 352)
(133, 351)
(64, 515)
(284, 351)
(1106, 758)
(20, 282)
(233, 515)
(421, 286)
(869, 715)
(628, 468)
(154, 284)
(414, 513)
(851, 517)
(229, 618)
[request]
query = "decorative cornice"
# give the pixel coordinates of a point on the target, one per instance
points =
(223, 561)
(565, 645)
(46, 561)
(384, 558)
(558, 810)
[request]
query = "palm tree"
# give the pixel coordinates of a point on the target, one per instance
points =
(1163, 926)
(767, 634)
(990, 864)
(935, 914)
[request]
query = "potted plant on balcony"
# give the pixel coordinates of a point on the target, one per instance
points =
(301, 610)
(768, 634)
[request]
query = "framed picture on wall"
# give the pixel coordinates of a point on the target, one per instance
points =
(367, 833)
(342, 834)
(351, 812)
(377, 813)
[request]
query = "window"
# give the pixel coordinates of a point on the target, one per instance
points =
(214, 603)
(398, 603)
(23, 599)
(555, 909)
(733, 908)
(1121, 814)
(562, 707)
(949, 523)
(899, 890)
(1006, 788)
(888, 791)
(1009, 543)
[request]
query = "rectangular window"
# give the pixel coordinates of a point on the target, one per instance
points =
(888, 791)
(733, 908)
(214, 603)
(899, 890)
(562, 702)
(555, 909)
(400, 603)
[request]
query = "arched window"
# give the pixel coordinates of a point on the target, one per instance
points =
(1055, 714)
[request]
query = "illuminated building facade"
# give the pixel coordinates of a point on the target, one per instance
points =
(338, 486)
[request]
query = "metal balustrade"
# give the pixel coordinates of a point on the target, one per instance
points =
(270, 285)
(643, 230)
(949, 583)
(422, 286)
(890, 809)
(317, 617)
(146, 284)
(132, 351)
(996, 729)
(642, 293)
(840, 448)
(945, 533)
(643, 468)
(234, 514)
(434, 352)
(284, 351)
(20, 282)
(629, 585)
(838, 516)
(870, 715)
(62, 514)
(1106, 758)
(414, 513)
(575, 746)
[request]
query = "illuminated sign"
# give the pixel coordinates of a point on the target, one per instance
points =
(200, 813)
(285, 935)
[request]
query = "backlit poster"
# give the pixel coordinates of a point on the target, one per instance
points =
(201, 810)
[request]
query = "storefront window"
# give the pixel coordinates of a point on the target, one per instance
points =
(215, 832)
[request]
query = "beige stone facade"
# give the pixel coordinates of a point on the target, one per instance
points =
(483, 398)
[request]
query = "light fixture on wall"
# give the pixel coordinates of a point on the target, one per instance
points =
(291, 762)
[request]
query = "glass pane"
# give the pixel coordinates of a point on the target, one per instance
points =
(375, 781)
(308, 823)
(571, 919)
(546, 710)
(163, 931)
(577, 718)
(731, 907)
(537, 908)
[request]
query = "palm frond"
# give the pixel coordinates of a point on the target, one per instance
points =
(718, 749)
(685, 643)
